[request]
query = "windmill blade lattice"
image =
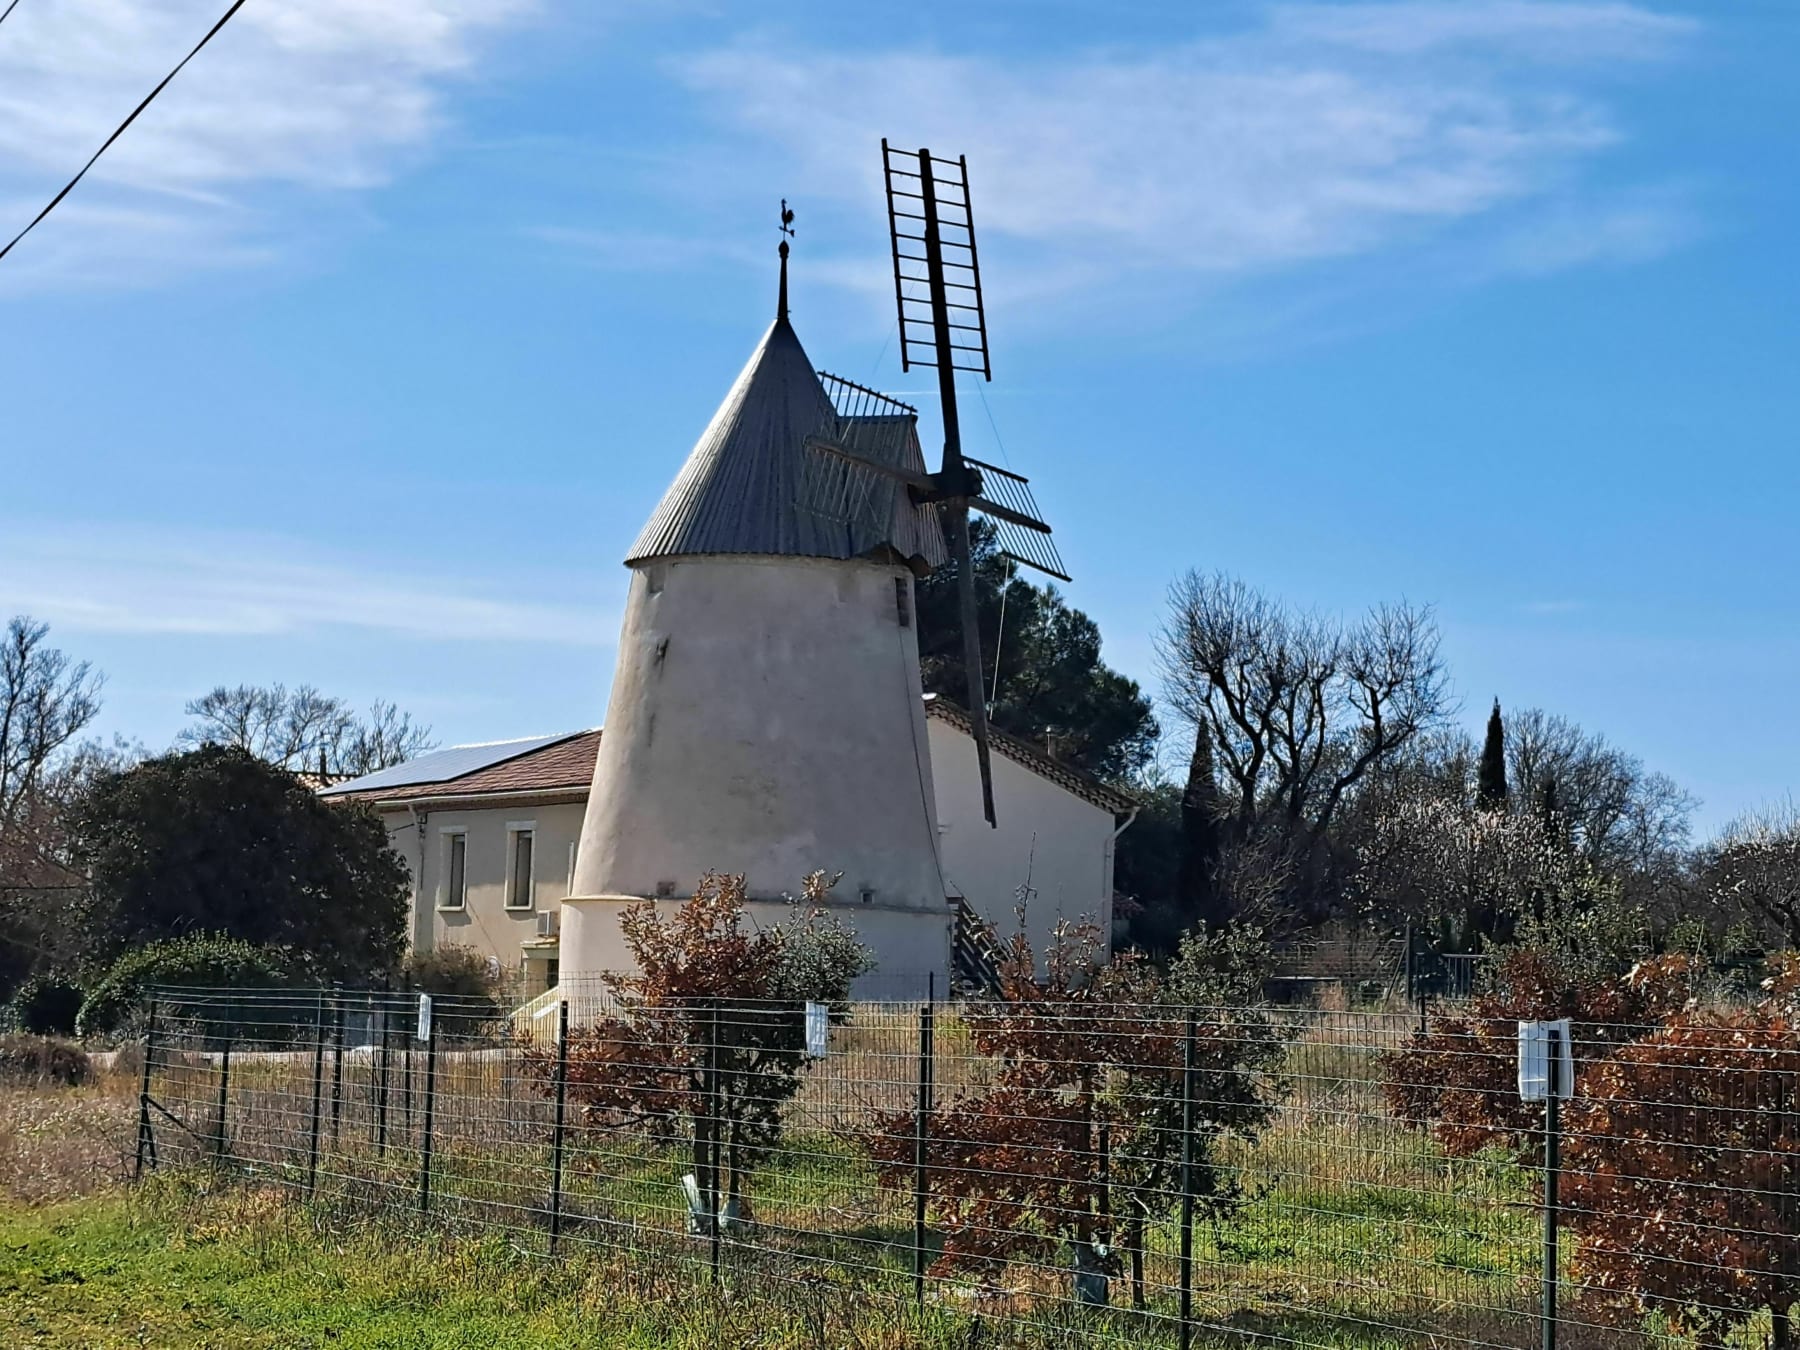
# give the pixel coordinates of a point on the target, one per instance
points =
(959, 266)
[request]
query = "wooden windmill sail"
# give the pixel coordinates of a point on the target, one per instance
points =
(937, 291)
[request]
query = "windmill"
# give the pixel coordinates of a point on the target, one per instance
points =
(937, 291)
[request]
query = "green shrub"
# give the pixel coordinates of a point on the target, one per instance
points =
(29, 1061)
(452, 970)
(47, 1007)
(466, 985)
(200, 959)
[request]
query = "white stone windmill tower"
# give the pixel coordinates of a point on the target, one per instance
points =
(766, 714)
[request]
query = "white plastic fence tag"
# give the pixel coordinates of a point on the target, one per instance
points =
(424, 1031)
(1546, 1057)
(818, 1029)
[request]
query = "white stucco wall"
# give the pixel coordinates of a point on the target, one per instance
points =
(1063, 842)
(765, 718)
(485, 923)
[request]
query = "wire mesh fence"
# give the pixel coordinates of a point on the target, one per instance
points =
(1147, 1175)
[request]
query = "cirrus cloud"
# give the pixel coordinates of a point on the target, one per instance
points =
(1321, 132)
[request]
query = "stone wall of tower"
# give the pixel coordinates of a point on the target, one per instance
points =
(765, 718)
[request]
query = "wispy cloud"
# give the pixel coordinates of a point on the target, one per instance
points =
(1323, 132)
(142, 581)
(318, 95)
(1543, 31)
(1552, 607)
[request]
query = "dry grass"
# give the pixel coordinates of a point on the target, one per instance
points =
(59, 1143)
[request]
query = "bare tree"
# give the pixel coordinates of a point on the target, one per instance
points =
(46, 700)
(304, 730)
(388, 736)
(1301, 708)
(1621, 817)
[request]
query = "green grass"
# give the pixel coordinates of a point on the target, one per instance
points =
(184, 1262)
(177, 1266)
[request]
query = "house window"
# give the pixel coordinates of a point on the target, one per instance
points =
(571, 869)
(518, 867)
(456, 871)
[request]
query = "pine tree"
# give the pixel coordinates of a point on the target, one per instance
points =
(1198, 891)
(1490, 780)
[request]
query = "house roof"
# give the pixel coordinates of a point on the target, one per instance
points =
(538, 764)
(565, 765)
(751, 485)
(1078, 781)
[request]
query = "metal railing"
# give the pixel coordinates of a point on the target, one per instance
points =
(1208, 1174)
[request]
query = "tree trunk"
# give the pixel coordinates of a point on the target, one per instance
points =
(1781, 1324)
(1131, 1236)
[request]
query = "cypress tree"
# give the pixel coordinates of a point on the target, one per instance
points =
(1490, 779)
(1197, 891)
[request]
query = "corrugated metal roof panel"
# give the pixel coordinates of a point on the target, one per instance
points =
(740, 490)
(442, 765)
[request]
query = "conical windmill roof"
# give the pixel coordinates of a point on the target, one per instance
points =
(743, 487)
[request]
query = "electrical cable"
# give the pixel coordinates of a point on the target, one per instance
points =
(8, 10)
(148, 99)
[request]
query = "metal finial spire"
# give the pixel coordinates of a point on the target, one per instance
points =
(787, 228)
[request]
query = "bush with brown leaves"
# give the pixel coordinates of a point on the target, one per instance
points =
(1076, 1139)
(710, 987)
(1458, 1080)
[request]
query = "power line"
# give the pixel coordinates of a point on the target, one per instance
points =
(148, 99)
(9, 9)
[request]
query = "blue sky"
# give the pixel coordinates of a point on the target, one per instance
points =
(361, 360)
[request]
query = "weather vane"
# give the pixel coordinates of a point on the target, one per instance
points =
(787, 231)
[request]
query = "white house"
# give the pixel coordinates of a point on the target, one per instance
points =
(490, 836)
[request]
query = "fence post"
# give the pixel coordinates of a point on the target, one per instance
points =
(431, 1059)
(713, 1122)
(1187, 1183)
(381, 1079)
(318, 1092)
(146, 1139)
(406, 1064)
(337, 1060)
(556, 1140)
(1552, 1175)
(224, 1090)
(921, 1132)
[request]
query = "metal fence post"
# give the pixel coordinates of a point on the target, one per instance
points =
(921, 1134)
(146, 1139)
(381, 1079)
(1187, 1183)
(1552, 1175)
(556, 1139)
(431, 1059)
(318, 1092)
(337, 1060)
(713, 1121)
(224, 1098)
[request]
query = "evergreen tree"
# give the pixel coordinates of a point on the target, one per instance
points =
(1053, 689)
(217, 841)
(1200, 827)
(1490, 781)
